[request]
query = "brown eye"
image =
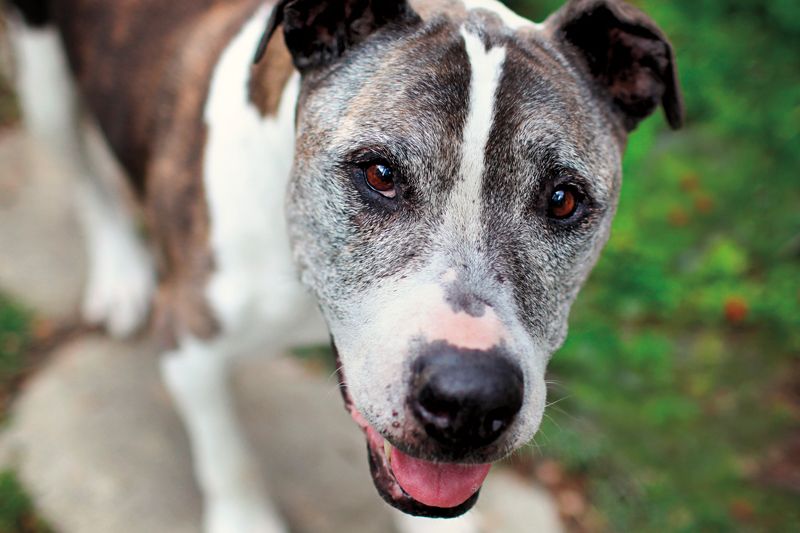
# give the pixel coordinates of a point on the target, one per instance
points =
(380, 178)
(564, 202)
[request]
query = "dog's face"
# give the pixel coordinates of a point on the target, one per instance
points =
(456, 172)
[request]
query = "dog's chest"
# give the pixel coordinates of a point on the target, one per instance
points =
(247, 161)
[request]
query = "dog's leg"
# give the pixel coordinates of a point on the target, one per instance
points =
(121, 273)
(412, 524)
(197, 376)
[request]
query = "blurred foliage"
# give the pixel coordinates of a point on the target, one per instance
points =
(668, 387)
(9, 110)
(9, 113)
(15, 333)
(16, 510)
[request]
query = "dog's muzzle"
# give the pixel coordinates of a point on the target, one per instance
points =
(461, 402)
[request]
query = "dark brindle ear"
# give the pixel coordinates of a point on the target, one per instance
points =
(626, 53)
(318, 32)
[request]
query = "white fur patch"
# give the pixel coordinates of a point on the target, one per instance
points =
(486, 69)
(467, 523)
(246, 170)
(196, 376)
(373, 341)
(42, 63)
(121, 273)
(509, 18)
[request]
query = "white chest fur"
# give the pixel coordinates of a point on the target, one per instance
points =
(248, 160)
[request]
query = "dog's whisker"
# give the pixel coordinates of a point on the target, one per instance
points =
(336, 373)
(566, 413)
(555, 402)
(557, 385)
(553, 420)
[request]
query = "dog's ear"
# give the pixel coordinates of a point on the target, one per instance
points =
(624, 52)
(317, 32)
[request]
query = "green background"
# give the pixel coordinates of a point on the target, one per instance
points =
(678, 387)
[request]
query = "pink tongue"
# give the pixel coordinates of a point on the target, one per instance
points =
(435, 484)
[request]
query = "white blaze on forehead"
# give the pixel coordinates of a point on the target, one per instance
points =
(486, 69)
(509, 18)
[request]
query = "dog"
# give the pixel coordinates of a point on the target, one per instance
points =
(437, 177)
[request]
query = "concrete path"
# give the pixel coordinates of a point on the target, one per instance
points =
(96, 441)
(41, 260)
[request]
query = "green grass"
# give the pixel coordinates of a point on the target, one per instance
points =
(16, 510)
(15, 336)
(17, 514)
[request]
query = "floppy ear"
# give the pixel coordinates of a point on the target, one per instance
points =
(317, 32)
(625, 53)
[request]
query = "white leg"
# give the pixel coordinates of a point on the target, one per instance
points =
(235, 502)
(121, 273)
(467, 523)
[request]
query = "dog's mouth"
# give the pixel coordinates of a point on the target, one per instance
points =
(416, 486)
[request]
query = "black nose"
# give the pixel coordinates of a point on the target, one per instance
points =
(465, 398)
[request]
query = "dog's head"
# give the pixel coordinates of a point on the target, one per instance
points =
(456, 172)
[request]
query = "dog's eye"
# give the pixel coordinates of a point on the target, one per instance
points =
(380, 178)
(564, 202)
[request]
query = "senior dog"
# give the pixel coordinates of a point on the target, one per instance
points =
(438, 177)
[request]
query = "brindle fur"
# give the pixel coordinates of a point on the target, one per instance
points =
(143, 68)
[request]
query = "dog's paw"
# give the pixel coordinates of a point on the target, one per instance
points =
(120, 286)
(237, 516)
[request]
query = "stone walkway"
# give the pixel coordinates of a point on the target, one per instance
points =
(94, 436)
